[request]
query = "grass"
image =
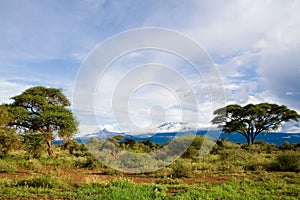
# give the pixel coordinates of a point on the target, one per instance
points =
(231, 171)
(126, 189)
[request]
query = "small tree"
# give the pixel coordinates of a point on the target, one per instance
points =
(9, 140)
(34, 144)
(43, 110)
(252, 120)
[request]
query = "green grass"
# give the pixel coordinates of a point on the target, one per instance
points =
(246, 189)
(232, 171)
(126, 189)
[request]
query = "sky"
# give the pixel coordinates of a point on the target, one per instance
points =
(254, 45)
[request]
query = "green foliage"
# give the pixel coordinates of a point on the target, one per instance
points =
(287, 146)
(145, 146)
(269, 188)
(287, 161)
(163, 172)
(87, 163)
(182, 168)
(194, 149)
(9, 141)
(238, 160)
(6, 167)
(43, 109)
(121, 183)
(137, 162)
(260, 147)
(243, 190)
(252, 120)
(34, 144)
(4, 116)
(75, 148)
(43, 181)
(33, 164)
(169, 181)
(235, 171)
(114, 172)
(127, 189)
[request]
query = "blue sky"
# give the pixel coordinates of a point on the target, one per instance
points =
(254, 44)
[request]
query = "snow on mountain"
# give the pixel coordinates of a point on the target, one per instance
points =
(167, 127)
(177, 127)
(102, 134)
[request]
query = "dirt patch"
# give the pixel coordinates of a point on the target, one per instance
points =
(80, 176)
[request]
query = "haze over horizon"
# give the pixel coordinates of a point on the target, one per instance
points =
(254, 45)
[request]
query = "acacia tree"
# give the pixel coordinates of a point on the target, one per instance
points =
(252, 120)
(43, 110)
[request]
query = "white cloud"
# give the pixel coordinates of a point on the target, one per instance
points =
(10, 89)
(255, 45)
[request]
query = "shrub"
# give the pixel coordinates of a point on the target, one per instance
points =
(6, 167)
(163, 173)
(75, 148)
(44, 181)
(182, 168)
(194, 148)
(261, 146)
(34, 144)
(240, 159)
(218, 146)
(9, 140)
(287, 146)
(287, 161)
(34, 165)
(87, 163)
(137, 162)
(110, 171)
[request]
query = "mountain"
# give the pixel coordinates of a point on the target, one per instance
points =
(167, 127)
(169, 130)
(101, 134)
(178, 127)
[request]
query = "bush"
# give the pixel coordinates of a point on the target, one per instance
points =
(6, 167)
(287, 161)
(87, 163)
(240, 159)
(34, 144)
(34, 165)
(182, 168)
(9, 140)
(44, 181)
(75, 148)
(163, 173)
(218, 146)
(287, 146)
(114, 172)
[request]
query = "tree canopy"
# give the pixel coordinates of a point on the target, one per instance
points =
(43, 110)
(253, 119)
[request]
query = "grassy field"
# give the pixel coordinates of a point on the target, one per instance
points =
(230, 171)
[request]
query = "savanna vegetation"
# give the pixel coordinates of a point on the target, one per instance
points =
(252, 120)
(71, 170)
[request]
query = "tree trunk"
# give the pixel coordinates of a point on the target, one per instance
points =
(49, 148)
(248, 139)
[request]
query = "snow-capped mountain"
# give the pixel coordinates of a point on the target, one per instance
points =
(102, 134)
(177, 127)
(167, 127)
